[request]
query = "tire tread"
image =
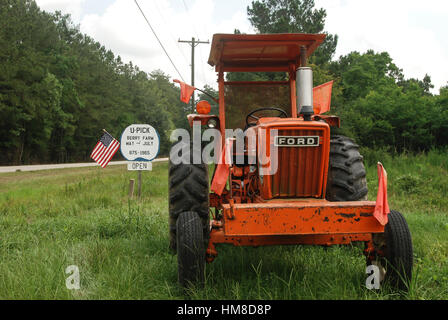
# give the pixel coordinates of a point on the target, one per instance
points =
(190, 249)
(346, 172)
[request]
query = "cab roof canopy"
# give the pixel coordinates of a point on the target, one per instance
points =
(260, 52)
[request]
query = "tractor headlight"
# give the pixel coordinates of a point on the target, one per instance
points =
(212, 123)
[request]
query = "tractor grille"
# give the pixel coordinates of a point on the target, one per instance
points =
(300, 169)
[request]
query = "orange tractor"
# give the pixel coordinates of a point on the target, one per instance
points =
(317, 194)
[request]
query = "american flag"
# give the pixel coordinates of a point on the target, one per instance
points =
(105, 149)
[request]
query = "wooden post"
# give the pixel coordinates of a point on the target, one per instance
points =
(139, 183)
(131, 188)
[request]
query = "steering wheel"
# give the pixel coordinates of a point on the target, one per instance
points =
(281, 113)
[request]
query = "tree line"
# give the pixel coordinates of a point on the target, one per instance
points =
(59, 87)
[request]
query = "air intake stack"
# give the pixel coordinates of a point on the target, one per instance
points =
(304, 90)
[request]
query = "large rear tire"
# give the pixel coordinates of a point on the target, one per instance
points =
(190, 250)
(394, 252)
(346, 179)
(188, 191)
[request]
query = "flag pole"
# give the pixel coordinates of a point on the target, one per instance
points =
(105, 131)
(206, 93)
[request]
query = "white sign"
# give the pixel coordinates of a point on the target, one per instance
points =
(139, 142)
(139, 165)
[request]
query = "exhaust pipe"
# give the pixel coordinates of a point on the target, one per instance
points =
(304, 90)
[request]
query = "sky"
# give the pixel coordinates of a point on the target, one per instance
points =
(413, 32)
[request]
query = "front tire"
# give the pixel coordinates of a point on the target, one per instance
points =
(188, 191)
(394, 252)
(190, 250)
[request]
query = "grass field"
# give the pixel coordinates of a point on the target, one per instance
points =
(52, 219)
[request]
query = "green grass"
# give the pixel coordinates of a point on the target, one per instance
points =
(52, 219)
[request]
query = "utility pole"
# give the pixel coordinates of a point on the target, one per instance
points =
(193, 43)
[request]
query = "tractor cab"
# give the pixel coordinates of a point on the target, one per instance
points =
(279, 57)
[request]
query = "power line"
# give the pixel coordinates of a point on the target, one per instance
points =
(162, 15)
(197, 34)
(202, 65)
(159, 40)
(185, 5)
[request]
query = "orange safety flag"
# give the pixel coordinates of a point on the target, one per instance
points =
(222, 171)
(322, 97)
(381, 206)
(186, 91)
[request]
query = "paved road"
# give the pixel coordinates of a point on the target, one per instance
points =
(64, 165)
